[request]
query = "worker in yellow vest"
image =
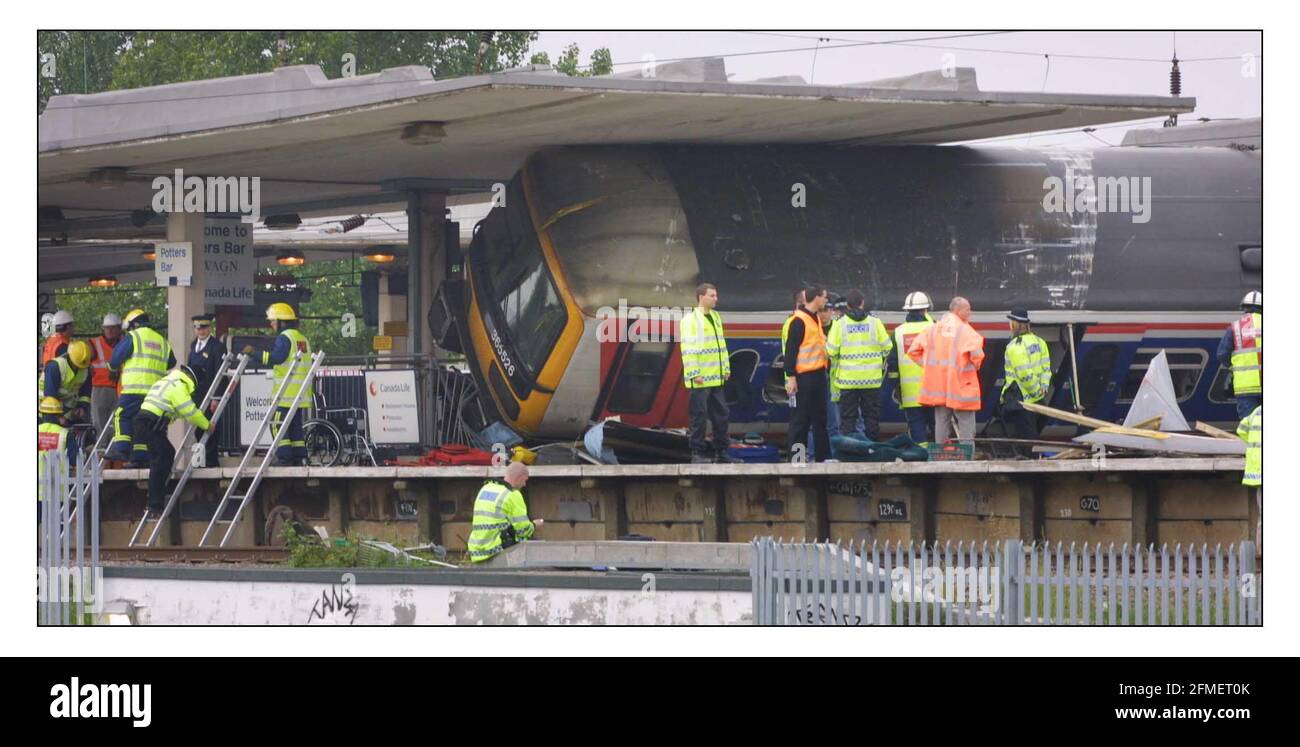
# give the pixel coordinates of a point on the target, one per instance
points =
(706, 366)
(806, 368)
(1251, 430)
(170, 398)
(292, 449)
(51, 435)
(858, 346)
(67, 378)
(141, 358)
(907, 372)
(1242, 351)
(501, 515)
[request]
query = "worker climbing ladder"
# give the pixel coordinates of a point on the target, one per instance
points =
(232, 492)
(227, 391)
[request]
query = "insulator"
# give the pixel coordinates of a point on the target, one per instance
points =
(1175, 80)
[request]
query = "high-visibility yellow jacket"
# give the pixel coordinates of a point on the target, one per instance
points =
(50, 437)
(1251, 430)
(171, 397)
(148, 362)
(1028, 366)
(704, 349)
(1248, 355)
(858, 349)
(498, 510)
(297, 342)
(909, 371)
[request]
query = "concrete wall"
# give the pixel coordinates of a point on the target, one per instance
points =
(1173, 504)
(211, 596)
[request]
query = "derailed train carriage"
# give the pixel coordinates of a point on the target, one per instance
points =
(588, 229)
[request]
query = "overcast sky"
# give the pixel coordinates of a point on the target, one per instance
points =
(1222, 88)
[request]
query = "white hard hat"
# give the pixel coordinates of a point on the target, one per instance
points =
(62, 317)
(916, 301)
(112, 320)
(1254, 298)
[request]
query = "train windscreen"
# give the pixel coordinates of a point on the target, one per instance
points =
(515, 287)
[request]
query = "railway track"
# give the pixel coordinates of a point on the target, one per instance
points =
(195, 555)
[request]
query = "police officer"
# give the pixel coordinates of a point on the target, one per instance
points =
(1251, 430)
(1028, 374)
(292, 449)
(141, 358)
(501, 515)
(67, 379)
(858, 345)
(1242, 350)
(204, 359)
(170, 398)
(920, 418)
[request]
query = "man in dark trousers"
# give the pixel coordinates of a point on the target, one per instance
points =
(806, 365)
(204, 360)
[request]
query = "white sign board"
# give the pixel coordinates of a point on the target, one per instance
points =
(228, 262)
(392, 409)
(255, 390)
(173, 263)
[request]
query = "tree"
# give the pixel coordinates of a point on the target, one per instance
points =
(602, 62)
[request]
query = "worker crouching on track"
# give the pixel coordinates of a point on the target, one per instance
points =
(171, 397)
(1028, 375)
(501, 515)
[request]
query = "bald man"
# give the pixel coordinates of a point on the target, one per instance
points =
(951, 353)
(501, 515)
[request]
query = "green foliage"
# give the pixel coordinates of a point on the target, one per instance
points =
(602, 63)
(94, 61)
(309, 551)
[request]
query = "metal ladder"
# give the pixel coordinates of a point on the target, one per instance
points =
(226, 392)
(230, 494)
(93, 465)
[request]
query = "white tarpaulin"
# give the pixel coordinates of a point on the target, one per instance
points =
(1156, 397)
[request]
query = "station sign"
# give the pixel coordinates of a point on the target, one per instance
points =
(173, 263)
(392, 408)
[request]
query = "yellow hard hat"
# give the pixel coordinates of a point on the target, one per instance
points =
(79, 354)
(51, 406)
(280, 311)
(132, 315)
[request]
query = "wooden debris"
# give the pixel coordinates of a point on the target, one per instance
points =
(1068, 417)
(1210, 430)
(1070, 454)
(1132, 432)
(1150, 424)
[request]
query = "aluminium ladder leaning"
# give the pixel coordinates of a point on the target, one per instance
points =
(230, 494)
(227, 392)
(92, 465)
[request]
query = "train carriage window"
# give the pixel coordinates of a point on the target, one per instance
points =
(1219, 388)
(639, 379)
(737, 389)
(1095, 373)
(1185, 368)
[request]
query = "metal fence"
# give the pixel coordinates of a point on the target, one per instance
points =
(1002, 583)
(69, 577)
(444, 394)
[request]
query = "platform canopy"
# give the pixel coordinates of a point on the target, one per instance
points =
(334, 146)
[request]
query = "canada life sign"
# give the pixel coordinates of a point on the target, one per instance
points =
(392, 408)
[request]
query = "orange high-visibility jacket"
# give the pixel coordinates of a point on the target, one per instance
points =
(101, 351)
(51, 349)
(951, 352)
